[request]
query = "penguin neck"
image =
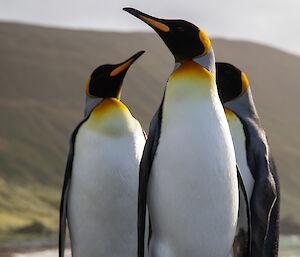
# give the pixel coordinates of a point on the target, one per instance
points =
(207, 61)
(243, 106)
(191, 96)
(90, 104)
(191, 81)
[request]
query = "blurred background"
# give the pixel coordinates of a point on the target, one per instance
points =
(48, 50)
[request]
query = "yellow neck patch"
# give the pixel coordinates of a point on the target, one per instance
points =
(235, 125)
(190, 81)
(112, 118)
(109, 104)
(233, 120)
(229, 114)
(193, 69)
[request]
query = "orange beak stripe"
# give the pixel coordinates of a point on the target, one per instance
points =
(156, 24)
(117, 70)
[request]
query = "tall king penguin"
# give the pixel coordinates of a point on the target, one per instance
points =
(100, 189)
(188, 174)
(253, 157)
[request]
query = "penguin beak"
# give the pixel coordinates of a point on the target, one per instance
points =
(156, 23)
(124, 66)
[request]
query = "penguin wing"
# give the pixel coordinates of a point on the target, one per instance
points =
(241, 245)
(63, 203)
(145, 168)
(272, 238)
(65, 191)
(264, 194)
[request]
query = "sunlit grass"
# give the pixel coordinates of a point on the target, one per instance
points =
(30, 212)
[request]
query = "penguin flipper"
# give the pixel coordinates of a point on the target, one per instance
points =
(63, 203)
(65, 191)
(63, 215)
(272, 238)
(241, 245)
(263, 198)
(145, 168)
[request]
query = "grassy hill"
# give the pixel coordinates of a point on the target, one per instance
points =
(42, 79)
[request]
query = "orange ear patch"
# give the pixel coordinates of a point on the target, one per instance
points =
(87, 87)
(155, 24)
(205, 41)
(245, 83)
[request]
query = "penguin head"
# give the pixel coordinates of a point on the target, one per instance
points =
(106, 80)
(231, 82)
(184, 39)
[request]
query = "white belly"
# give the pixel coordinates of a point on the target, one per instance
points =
(239, 142)
(102, 203)
(193, 190)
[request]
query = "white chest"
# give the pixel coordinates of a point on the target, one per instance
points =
(193, 191)
(103, 193)
(239, 141)
(99, 159)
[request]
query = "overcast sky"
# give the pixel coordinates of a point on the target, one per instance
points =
(272, 22)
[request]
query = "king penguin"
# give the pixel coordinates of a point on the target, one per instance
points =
(100, 189)
(188, 174)
(253, 157)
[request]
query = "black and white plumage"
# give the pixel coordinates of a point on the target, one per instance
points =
(188, 174)
(99, 194)
(253, 157)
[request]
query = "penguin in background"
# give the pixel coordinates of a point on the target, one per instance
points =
(100, 189)
(188, 174)
(254, 158)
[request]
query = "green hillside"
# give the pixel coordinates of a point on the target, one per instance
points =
(42, 79)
